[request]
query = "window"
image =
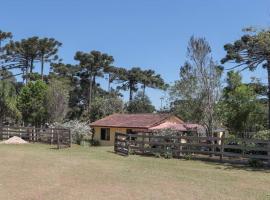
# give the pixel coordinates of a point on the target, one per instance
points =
(105, 134)
(129, 131)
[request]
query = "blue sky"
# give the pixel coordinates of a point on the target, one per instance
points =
(144, 33)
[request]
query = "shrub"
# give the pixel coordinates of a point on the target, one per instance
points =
(131, 152)
(95, 143)
(188, 156)
(255, 163)
(79, 130)
(262, 135)
(168, 155)
(157, 155)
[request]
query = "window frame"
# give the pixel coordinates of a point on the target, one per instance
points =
(105, 136)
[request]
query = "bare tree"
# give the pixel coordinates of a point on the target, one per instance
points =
(57, 100)
(200, 83)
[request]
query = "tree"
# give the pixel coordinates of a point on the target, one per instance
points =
(152, 80)
(8, 109)
(249, 52)
(92, 65)
(31, 102)
(140, 104)
(57, 100)
(69, 75)
(105, 105)
(22, 55)
(199, 84)
(4, 36)
(129, 80)
(48, 48)
(240, 107)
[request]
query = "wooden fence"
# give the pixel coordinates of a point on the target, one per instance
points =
(54, 136)
(180, 146)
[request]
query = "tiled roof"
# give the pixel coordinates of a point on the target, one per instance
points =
(131, 120)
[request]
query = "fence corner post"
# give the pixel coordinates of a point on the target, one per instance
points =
(222, 146)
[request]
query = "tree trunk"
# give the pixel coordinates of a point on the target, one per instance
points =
(94, 87)
(109, 83)
(90, 93)
(31, 66)
(26, 74)
(268, 92)
(144, 86)
(130, 91)
(130, 94)
(42, 67)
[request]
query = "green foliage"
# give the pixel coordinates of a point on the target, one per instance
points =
(31, 101)
(47, 51)
(157, 155)
(8, 109)
(168, 154)
(91, 65)
(262, 135)
(105, 105)
(251, 51)
(240, 108)
(188, 156)
(130, 79)
(255, 163)
(140, 104)
(57, 100)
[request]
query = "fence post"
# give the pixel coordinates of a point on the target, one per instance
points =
(1, 133)
(51, 136)
(180, 153)
(29, 134)
(268, 153)
(115, 142)
(142, 144)
(34, 134)
(70, 138)
(58, 145)
(222, 146)
(127, 143)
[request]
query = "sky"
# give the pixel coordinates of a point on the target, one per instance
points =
(142, 33)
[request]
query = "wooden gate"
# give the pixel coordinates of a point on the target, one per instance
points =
(121, 143)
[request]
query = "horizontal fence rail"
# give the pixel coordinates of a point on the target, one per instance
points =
(54, 136)
(179, 146)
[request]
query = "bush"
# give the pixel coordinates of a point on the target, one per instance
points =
(255, 163)
(157, 155)
(131, 152)
(188, 156)
(168, 155)
(95, 143)
(79, 130)
(262, 135)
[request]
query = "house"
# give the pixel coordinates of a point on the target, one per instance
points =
(105, 129)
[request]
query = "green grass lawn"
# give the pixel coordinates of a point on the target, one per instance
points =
(36, 171)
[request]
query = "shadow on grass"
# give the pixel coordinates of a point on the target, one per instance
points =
(225, 164)
(238, 166)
